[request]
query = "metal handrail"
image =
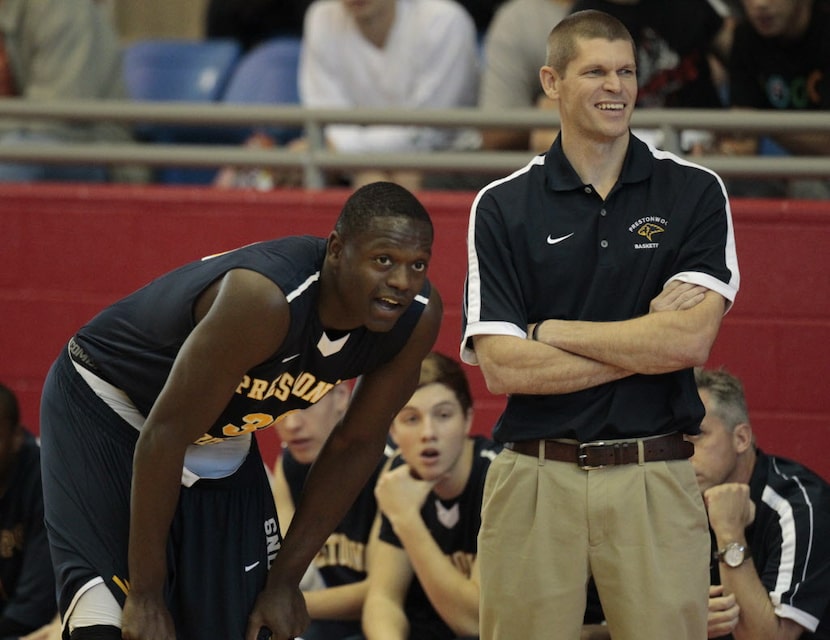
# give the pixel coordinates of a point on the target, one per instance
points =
(317, 159)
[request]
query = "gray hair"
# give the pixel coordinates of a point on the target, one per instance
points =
(726, 393)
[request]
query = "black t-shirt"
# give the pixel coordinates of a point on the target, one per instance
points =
(454, 526)
(772, 73)
(788, 541)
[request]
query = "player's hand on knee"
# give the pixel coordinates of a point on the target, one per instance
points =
(279, 609)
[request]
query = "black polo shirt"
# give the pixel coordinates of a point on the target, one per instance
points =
(788, 542)
(543, 245)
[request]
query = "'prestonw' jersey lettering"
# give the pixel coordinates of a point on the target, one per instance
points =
(305, 386)
(340, 551)
(134, 342)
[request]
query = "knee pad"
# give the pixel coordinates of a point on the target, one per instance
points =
(96, 632)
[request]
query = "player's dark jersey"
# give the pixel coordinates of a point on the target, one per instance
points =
(789, 544)
(545, 245)
(774, 73)
(27, 584)
(343, 558)
(673, 42)
(454, 525)
(133, 343)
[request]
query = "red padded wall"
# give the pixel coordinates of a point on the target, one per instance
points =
(69, 250)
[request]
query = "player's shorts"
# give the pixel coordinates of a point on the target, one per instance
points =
(223, 537)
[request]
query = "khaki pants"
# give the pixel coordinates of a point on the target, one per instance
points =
(641, 530)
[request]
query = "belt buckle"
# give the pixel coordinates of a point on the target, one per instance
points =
(582, 455)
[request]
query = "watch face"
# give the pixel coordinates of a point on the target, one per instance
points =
(734, 555)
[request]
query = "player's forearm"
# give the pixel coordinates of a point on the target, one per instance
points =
(337, 476)
(451, 593)
(157, 469)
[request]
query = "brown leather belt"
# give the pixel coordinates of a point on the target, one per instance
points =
(595, 455)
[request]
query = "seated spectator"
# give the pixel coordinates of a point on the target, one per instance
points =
(251, 22)
(335, 584)
(424, 581)
(385, 53)
(58, 50)
(781, 61)
(770, 523)
(514, 51)
(680, 46)
(424, 577)
(27, 582)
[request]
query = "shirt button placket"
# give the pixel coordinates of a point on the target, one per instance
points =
(603, 230)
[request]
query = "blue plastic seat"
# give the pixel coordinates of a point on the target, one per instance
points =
(268, 74)
(179, 70)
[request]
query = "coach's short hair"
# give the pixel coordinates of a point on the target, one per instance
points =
(582, 25)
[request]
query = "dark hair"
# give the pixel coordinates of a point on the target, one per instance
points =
(582, 25)
(726, 393)
(379, 200)
(436, 367)
(9, 406)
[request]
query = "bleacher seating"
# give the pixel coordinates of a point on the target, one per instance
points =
(211, 71)
(268, 74)
(179, 70)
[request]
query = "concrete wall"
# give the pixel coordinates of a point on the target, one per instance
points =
(65, 251)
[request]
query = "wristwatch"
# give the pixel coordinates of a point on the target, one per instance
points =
(733, 555)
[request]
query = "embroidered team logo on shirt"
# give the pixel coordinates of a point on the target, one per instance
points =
(648, 231)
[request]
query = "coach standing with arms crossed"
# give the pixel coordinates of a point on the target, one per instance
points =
(598, 275)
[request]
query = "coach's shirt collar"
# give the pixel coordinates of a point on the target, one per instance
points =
(561, 176)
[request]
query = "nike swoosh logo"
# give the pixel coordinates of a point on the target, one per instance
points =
(560, 239)
(289, 358)
(249, 567)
